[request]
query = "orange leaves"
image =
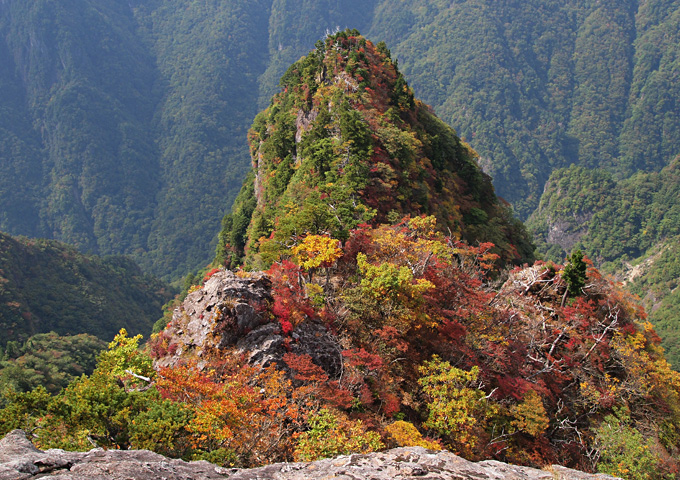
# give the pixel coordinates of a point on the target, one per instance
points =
(363, 360)
(304, 370)
(475, 260)
(236, 408)
(187, 385)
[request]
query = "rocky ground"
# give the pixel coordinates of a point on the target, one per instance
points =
(20, 460)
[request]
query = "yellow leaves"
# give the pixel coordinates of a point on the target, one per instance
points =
(423, 225)
(124, 356)
(456, 408)
(415, 245)
(530, 415)
(405, 434)
(604, 395)
(636, 341)
(388, 280)
(317, 251)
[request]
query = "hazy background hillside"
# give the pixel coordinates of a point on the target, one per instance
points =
(123, 123)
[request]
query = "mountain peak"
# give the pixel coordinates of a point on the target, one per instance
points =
(346, 142)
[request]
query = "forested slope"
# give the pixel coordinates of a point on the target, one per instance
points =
(48, 286)
(123, 124)
(630, 226)
(539, 85)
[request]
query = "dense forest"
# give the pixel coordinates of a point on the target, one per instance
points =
(123, 125)
(124, 130)
(47, 286)
(374, 324)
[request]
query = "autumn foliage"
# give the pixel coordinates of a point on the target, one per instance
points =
(438, 344)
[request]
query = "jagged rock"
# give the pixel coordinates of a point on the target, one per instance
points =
(267, 344)
(20, 460)
(231, 313)
(217, 315)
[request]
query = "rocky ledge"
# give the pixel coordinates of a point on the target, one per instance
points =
(20, 460)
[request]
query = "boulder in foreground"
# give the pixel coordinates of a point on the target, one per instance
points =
(20, 460)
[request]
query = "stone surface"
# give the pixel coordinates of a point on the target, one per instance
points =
(217, 315)
(20, 460)
(231, 314)
(266, 345)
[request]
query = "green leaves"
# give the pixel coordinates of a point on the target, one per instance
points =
(123, 358)
(624, 451)
(331, 434)
(110, 408)
(49, 360)
(456, 408)
(574, 273)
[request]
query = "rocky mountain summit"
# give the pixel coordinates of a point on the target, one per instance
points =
(20, 460)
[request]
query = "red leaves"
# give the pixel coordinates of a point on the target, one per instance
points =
(286, 326)
(304, 369)
(210, 274)
(363, 360)
(290, 304)
(315, 382)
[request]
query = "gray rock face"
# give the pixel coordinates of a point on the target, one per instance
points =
(231, 314)
(217, 315)
(20, 460)
(408, 463)
(566, 232)
(267, 345)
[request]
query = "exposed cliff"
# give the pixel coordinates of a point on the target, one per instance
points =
(232, 314)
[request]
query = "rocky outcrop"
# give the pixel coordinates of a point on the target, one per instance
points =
(216, 316)
(20, 460)
(408, 463)
(231, 314)
(567, 231)
(267, 345)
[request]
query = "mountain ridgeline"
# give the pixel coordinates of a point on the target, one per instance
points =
(345, 142)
